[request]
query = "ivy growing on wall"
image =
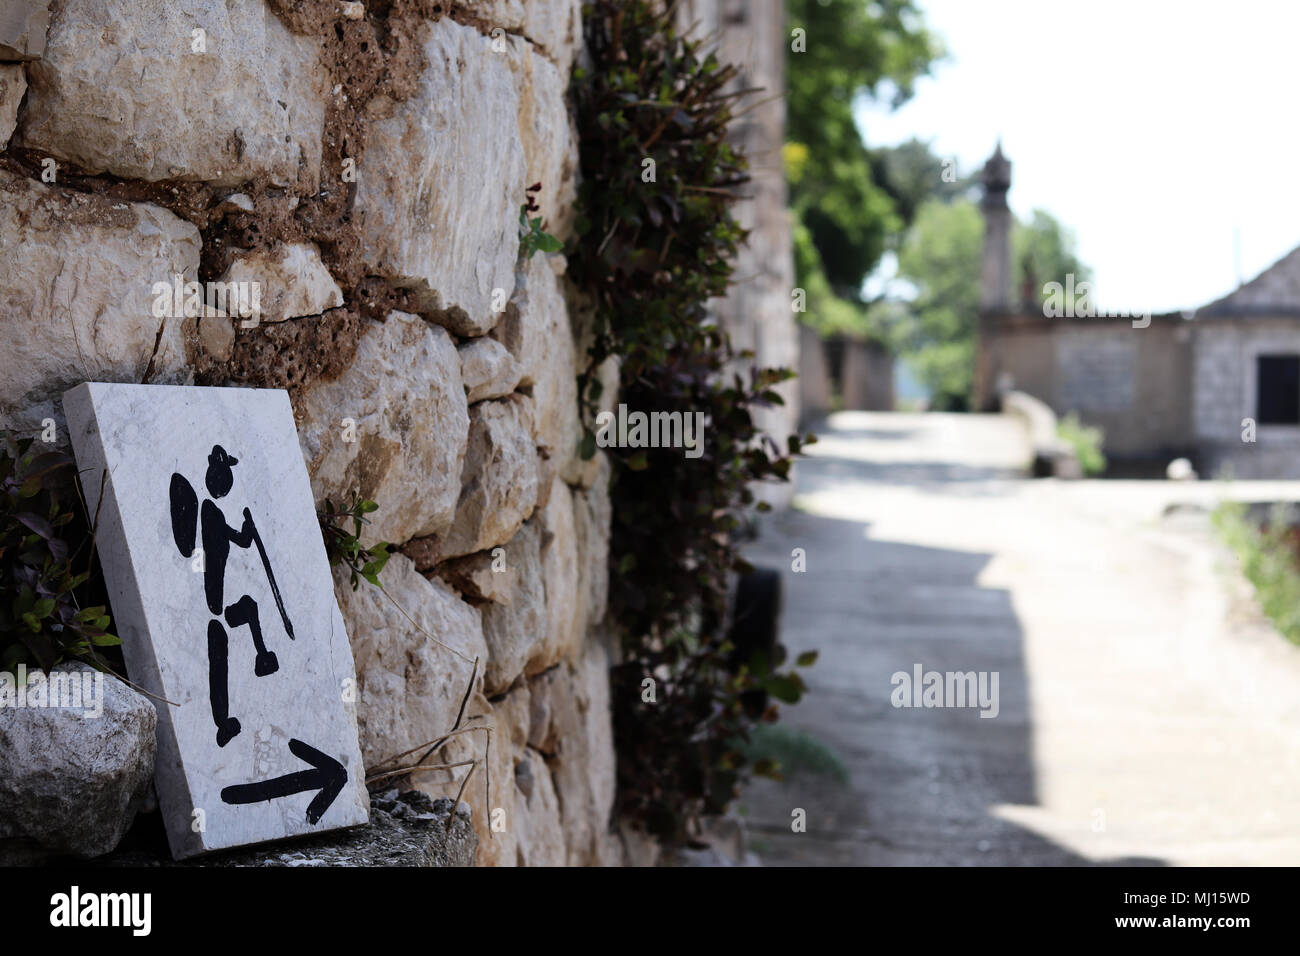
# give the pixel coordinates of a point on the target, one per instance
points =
(655, 241)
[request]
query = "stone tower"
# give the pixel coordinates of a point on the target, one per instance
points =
(995, 270)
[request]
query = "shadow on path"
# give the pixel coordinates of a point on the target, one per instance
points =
(922, 783)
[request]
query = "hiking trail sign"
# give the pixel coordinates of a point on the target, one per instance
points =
(222, 595)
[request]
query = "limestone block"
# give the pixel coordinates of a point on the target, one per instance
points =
(516, 632)
(499, 489)
(579, 743)
(13, 84)
(592, 514)
(564, 590)
(440, 187)
(554, 27)
(292, 281)
(22, 28)
(485, 576)
(406, 443)
(539, 836)
(549, 140)
(75, 301)
(410, 679)
(487, 369)
(537, 333)
(129, 87)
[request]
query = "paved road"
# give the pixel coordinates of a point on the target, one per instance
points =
(1147, 714)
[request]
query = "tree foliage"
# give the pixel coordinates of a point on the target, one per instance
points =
(940, 257)
(844, 201)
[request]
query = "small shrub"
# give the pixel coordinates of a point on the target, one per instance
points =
(655, 241)
(1087, 442)
(45, 617)
(1268, 560)
(532, 239)
(790, 751)
(344, 547)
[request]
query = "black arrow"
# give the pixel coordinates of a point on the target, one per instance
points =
(326, 775)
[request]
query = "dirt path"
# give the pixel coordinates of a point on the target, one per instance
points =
(1145, 714)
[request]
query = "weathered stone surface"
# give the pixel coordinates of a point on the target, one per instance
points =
(217, 334)
(440, 187)
(75, 300)
(22, 28)
(537, 333)
(539, 836)
(292, 282)
(499, 488)
(121, 89)
(180, 465)
(404, 396)
(515, 632)
(571, 702)
(406, 829)
(482, 577)
(592, 514)
(487, 369)
(71, 780)
(13, 84)
(553, 26)
(425, 552)
(560, 570)
(509, 716)
(411, 677)
(549, 140)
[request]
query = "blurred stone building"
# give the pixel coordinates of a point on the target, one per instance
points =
(1219, 385)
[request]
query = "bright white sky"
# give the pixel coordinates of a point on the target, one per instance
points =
(1154, 129)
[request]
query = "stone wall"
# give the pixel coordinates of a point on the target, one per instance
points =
(365, 168)
(1133, 382)
(364, 165)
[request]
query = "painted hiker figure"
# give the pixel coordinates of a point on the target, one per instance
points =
(209, 524)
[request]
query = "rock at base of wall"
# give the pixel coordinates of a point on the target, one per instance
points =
(70, 781)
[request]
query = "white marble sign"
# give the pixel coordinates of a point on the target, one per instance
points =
(222, 595)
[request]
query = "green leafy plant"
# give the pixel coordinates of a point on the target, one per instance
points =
(793, 752)
(44, 617)
(652, 251)
(532, 238)
(1086, 441)
(1269, 559)
(344, 547)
